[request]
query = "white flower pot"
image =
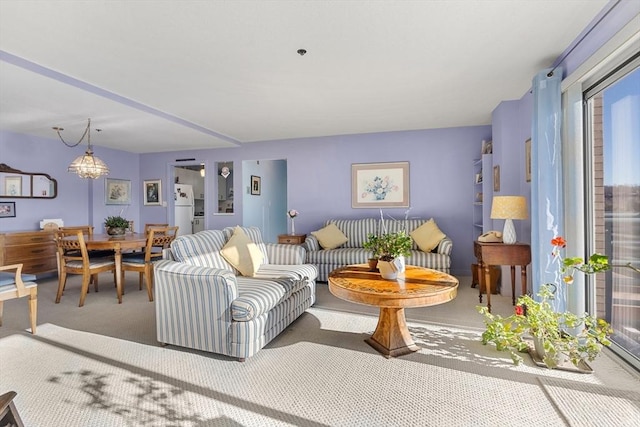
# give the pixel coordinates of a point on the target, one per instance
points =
(388, 269)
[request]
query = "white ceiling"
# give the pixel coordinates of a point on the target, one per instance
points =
(175, 75)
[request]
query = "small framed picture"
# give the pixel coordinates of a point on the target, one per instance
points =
(496, 178)
(153, 192)
(13, 186)
(527, 160)
(117, 191)
(256, 185)
(7, 209)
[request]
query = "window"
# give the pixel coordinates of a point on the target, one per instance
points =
(613, 138)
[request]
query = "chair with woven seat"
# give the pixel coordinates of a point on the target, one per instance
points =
(149, 226)
(158, 238)
(74, 259)
(18, 285)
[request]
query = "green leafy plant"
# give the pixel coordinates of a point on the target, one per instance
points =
(373, 244)
(392, 245)
(551, 329)
(116, 222)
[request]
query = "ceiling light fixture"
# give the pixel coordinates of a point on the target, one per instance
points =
(225, 172)
(301, 52)
(202, 170)
(86, 166)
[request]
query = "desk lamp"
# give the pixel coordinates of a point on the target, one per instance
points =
(509, 208)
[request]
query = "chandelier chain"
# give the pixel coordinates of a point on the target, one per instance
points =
(86, 133)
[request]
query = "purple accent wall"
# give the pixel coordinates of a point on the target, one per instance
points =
(79, 201)
(319, 178)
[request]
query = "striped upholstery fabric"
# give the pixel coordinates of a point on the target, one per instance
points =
(201, 249)
(285, 254)
(357, 231)
(193, 306)
(202, 304)
(256, 297)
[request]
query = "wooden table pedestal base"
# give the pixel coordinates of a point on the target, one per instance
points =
(392, 337)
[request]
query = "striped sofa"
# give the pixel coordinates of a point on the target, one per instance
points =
(203, 302)
(357, 231)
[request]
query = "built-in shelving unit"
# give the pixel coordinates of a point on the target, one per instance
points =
(482, 189)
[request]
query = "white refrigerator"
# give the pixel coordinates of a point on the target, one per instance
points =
(184, 208)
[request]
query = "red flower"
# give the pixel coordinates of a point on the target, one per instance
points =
(519, 310)
(559, 241)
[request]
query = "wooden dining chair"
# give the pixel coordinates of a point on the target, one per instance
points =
(149, 226)
(74, 259)
(159, 238)
(18, 285)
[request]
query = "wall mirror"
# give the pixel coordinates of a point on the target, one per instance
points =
(15, 184)
(225, 187)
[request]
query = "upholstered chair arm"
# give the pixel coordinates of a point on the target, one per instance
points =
(285, 254)
(193, 305)
(445, 246)
(17, 278)
(311, 243)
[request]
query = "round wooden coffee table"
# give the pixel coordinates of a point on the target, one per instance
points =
(416, 287)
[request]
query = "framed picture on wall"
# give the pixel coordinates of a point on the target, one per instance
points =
(7, 209)
(527, 160)
(13, 186)
(256, 185)
(117, 191)
(496, 178)
(380, 185)
(153, 192)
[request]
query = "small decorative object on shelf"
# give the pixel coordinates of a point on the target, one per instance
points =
(292, 213)
(554, 344)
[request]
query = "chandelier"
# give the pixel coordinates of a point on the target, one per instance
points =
(87, 165)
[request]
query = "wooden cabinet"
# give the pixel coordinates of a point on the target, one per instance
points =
(36, 250)
(291, 239)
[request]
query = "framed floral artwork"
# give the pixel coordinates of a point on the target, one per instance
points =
(117, 191)
(7, 209)
(153, 192)
(380, 185)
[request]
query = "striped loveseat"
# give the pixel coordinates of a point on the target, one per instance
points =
(203, 302)
(352, 252)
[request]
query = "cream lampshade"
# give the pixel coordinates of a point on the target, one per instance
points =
(509, 208)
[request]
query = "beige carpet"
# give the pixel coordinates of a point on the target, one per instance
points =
(318, 372)
(100, 365)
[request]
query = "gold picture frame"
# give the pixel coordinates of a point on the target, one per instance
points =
(380, 185)
(496, 178)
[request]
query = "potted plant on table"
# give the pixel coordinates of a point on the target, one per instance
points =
(373, 245)
(551, 331)
(390, 249)
(116, 225)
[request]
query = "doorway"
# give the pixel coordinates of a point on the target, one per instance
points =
(188, 198)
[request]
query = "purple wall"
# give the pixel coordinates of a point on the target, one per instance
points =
(319, 178)
(79, 201)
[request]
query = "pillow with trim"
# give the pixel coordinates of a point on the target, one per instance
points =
(428, 236)
(330, 237)
(242, 253)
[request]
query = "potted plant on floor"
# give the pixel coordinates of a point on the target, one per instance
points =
(116, 225)
(552, 333)
(391, 250)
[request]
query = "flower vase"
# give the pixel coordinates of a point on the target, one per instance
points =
(293, 227)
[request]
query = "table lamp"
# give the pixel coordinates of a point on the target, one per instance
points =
(509, 208)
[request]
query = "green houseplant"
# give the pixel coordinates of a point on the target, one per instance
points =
(550, 330)
(116, 225)
(390, 250)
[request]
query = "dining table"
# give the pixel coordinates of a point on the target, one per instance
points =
(128, 241)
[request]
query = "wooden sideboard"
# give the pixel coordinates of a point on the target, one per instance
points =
(36, 250)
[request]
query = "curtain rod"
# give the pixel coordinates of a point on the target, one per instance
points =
(582, 38)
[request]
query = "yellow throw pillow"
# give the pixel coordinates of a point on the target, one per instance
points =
(330, 237)
(242, 253)
(427, 236)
